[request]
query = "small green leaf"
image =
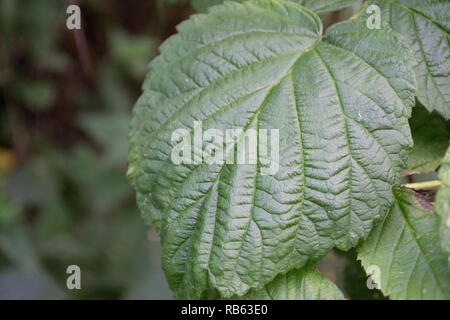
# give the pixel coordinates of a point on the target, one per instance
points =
(405, 249)
(301, 284)
(442, 205)
(430, 137)
(425, 26)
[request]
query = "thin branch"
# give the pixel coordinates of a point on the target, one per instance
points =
(423, 185)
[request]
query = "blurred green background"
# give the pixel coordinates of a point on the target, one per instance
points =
(65, 102)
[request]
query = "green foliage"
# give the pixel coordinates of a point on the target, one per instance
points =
(215, 220)
(30, 277)
(8, 212)
(340, 96)
(430, 137)
(354, 279)
(425, 26)
(405, 247)
(442, 206)
(64, 197)
(132, 52)
(30, 89)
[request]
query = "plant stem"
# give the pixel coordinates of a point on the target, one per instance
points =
(423, 185)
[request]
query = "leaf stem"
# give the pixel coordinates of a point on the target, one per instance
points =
(423, 185)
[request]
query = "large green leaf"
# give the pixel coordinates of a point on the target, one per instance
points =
(405, 249)
(340, 105)
(315, 5)
(302, 284)
(442, 205)
(430, 137)
(425, 25)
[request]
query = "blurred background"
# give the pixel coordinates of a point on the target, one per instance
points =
(65, 102)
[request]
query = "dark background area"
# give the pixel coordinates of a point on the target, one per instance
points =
(65, 102)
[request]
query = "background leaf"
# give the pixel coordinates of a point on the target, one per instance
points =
(64, 198)
(425, 26)
(405, 247)
(29, 280)
(442, 206)
(430, 137)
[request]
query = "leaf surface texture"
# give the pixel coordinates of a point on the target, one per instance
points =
(431, 137)
(341, 105)
(425, 26)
